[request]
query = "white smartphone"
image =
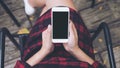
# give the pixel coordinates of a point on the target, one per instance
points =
(60, 22)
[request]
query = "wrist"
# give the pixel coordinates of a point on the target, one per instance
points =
(80, 55)
(36, 58)
(90, 61)
(44, 50)
(73, 49)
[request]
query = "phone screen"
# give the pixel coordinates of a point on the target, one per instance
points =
(60, 25)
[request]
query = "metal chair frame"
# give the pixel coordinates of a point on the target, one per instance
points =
(8, 11)
(22, 37)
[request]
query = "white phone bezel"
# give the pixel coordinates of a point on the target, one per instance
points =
(59, 9)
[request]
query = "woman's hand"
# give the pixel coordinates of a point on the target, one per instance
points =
(72, 40)
(47, 48)
(47, 45)
(73, 48)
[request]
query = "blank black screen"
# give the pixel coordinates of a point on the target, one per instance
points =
(60, 25)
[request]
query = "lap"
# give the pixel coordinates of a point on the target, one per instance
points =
(34, 41)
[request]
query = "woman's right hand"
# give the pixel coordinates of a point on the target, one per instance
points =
(73, 48)
(72, 40)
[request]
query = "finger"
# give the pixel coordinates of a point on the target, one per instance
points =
(71, 29)
(49, 28)
(74, 30)
(50, 31)
(46, 31)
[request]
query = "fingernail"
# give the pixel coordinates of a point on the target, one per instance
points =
(49, 26)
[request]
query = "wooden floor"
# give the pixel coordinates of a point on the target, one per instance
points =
(104, 11)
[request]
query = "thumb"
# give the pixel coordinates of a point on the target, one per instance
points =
(71, 28)
(49, 28)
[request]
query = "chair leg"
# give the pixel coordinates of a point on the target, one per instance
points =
(103, 26)
(109, 45)
(93, 4)
(22, 39)
(2, 48)
(7, 33)
(9, 13)
(3, 33)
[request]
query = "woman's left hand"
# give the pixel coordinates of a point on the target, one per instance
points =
(46, 49)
